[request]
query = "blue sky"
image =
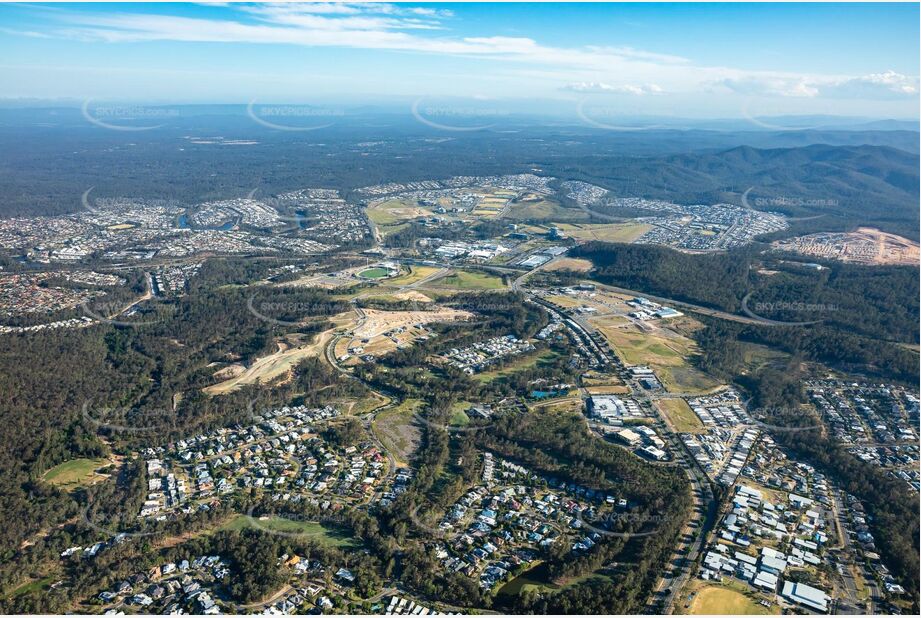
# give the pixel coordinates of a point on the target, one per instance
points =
(691, 60)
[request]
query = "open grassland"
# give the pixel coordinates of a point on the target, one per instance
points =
(680, 415)
(297, 529)
(535, 579)
(668, 354)
(543, 210)
(391, 211)
(573, 264)
(469, 280)
(518, 363)
(720, 599)
(563, 405)
(76, 473)
(415, 275)
(33, 585)
(397, 430)
(608, 232)
(361, 406)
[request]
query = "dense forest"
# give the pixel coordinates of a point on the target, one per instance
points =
(862, 177)
(857, 315)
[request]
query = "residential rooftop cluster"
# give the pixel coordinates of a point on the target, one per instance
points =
(120, 229)
(186, 587)
(520, 182)
(23, 293)
(775, 535)
(479, 356)
(503, 524)
(879, 422)
(281, 454)
(173, 280)
(583, 193)
(250, 212)
(325, 217)
(724, 446)
(797, 539)
(701, 227)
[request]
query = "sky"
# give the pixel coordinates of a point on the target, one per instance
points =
(606, 60)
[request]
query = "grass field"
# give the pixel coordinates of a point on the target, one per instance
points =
(535, 579)
(680, 415)
(575, 264)
(74, 473)
(393, 211)
(374, 273)
(415, 275)
(608, 232)
(299, 529)
(724, 600)
(459, 418)
(396, 430)
(668, 356)
(32, 586)
(469, 280)
(544, 210)
(519, 363)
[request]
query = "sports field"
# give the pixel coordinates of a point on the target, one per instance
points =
(374, 273)
(723, 600)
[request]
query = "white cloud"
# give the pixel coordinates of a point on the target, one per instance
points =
(771, 86)
(602, 88)
(887, 85)
(589, 69)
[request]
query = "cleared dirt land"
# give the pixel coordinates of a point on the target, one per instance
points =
(380, 332)
(390, 211)
(866, 245)
(377, 322)
(279, 365)
(398, 430)
(609, 232)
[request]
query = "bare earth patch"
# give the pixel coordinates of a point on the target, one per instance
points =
(866, 245)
